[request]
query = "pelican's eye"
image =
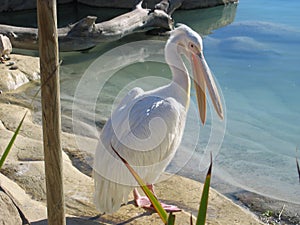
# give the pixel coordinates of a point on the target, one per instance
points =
(193, 48)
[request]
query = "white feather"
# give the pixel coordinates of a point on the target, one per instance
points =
(144, 112)
(145, 128)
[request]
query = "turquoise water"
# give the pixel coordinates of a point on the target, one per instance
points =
(255, 60)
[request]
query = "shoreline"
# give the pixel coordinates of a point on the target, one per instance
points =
(268, 210)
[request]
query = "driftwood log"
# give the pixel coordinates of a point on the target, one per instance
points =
(86, 33)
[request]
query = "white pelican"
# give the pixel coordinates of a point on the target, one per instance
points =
(147, 126)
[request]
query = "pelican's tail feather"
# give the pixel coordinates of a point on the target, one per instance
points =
(109, 196)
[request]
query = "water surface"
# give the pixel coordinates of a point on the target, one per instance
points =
(256, 62)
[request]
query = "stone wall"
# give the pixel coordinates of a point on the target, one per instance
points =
(17, 5)
(186, 4)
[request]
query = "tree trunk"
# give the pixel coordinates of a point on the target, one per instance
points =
(50, 94)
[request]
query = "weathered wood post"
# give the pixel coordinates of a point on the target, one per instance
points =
(50, 92)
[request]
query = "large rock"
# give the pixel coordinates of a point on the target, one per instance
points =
(18, 71)
(128, 4)
(5, 45)
(9, 214)
(30, 209)
(16, 5)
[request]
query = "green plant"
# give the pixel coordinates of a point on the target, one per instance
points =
(297, 163)
(170, 219)
(11, 142)
(204, 198)
(157, 206)
(268, 213)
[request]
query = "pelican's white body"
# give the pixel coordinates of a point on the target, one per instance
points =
(146, 127)
(145, 112)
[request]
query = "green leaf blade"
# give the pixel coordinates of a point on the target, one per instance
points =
(171, 219)
(204, 198)
(298, 168)
(11, 142)
(156, 204)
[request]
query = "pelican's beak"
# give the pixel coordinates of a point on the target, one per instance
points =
(203, 78)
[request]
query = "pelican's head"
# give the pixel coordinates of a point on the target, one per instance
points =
(189, 43)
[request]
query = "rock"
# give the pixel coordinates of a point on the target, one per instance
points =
(17, 5)
(10, 63)
(9, 214)
(5, 45)
(185, 4)
(6, 57)
(289, 212)
(13, 67)
(31, 210)
(29, 176)
(22, 69)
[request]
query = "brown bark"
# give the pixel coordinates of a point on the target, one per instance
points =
(50, 94)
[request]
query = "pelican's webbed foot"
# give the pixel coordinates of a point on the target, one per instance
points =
(144, 202)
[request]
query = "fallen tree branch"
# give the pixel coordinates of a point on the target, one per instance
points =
(86, 33)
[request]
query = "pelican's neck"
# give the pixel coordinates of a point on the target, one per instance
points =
(181, 82)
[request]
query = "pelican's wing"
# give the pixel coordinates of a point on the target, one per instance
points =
(109, 194)
(131, 95)
(146, 131)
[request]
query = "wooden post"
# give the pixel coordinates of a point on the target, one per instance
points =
(50, 92)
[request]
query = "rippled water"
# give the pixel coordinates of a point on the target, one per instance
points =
(256, 62)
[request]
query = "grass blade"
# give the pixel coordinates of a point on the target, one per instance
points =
(171, 219)
(157, 206)
(12, 140)
(191, 219)
(298, 167)
(204, 198)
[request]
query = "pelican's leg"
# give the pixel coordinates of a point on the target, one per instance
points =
(141, 201)
(144, 202)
